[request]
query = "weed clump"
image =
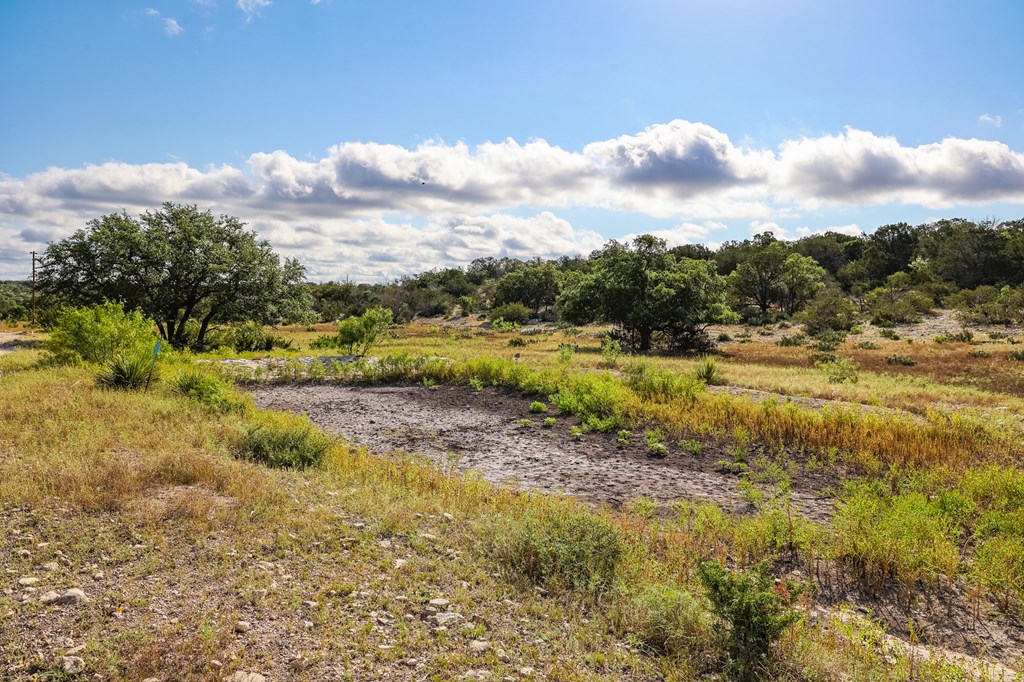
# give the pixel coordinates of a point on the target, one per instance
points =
(537, 407)
(99, 333)
(568, 548)
(285, 443)
(209, 389)
(896, 359)
(710, 373)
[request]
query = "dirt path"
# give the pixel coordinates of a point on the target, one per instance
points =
(481, 431)
(12, 341)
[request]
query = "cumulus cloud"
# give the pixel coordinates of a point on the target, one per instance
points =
(172, 27)
(996, 120)
(857, 167)
(383, 210)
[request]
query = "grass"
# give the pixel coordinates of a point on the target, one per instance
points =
(147, 488)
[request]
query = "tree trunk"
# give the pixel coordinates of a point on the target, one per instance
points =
(645, 339)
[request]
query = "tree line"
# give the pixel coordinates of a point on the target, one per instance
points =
(192, 271)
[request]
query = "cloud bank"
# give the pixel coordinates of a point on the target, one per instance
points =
(374, 211)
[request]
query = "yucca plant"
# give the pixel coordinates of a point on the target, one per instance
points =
(710, 373)
(126, 372)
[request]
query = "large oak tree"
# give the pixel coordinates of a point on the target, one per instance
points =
(176, 264)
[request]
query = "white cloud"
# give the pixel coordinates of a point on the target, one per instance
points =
(996, 120)
(252, 8)
(152, 12)
(172, 27)
(386, 209)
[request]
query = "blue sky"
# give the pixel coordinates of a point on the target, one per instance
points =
(371, 139)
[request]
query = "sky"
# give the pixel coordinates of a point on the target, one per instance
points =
(380, 138)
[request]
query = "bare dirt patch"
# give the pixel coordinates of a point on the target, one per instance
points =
(12, 341)
(481, 431)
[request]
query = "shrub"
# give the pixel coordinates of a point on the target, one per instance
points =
(658, 385)
(567, 547)
(900, 360)
(962, 336)
(889, 334)
(755, 611)
(126, 371)
(516, 313)
(655, 443)
(500, 324)
(999, 567)
(610, 352)
(839, 370)
(100, 332)
(980, 354)
(361, 333)
(517, 342)
(868, 345)
(209, 389)
(828, 341)
(724, 337)
(792, 340)
(669, 620)
(285, 442)
(830, 312)
(538, 407)
(548, 422)
(1017, 355)
(710, 373)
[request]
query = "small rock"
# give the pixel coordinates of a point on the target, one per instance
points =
(526, 671)
(151, 679)
(28, 580)
(445, 618)
(439, 603)
(478, 646)
(476, 675)
(241, 676)
(98, 575)
(428, 536)
(386, 544)
(243, 626)
(49, 597)
(23, 553)
(308, 624)
(410, 662)
(298, 663)
(216, 664)
(72, 596)
(503, 656)
(400, 563)
(51, 566)
(75, 650)
(448, 517)
(72, 665)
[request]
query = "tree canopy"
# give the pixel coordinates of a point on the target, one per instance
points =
(645, 291)
(177, 264)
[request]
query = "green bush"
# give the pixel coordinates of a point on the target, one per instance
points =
(286, 443)
(889, 334)
(829, 312)
(659, 385)
(538, 407)
(517, 342)
(792, 340)
(360, 333)
(755, 612)
(99, 333)
(962, 336)
(868, 345)
(567, 547)
(610, 352)
(839, 370)
(126, 371)
(669, 620)
(900, 360)
(516, 313)
(597, 399)
(209, 389)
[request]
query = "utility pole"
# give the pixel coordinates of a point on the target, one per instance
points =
(33, 288)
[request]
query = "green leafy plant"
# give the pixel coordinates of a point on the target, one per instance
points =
(98, 333)
(655, 441)
(361, 333)
(622, 438)
(694, 447)
(567, 547)
(565, 353)
(286, 443)
(792, 340)
(840, 370)
(515, 313)
(537, 407)
(610, 352)
(549, 422)
(1017, 355)
(517, 342)
(868, 345)
(755, 611)
(209, 389)
(978, 353)
(889, 334)
(896, 359)
(476, 383)
(576, 433)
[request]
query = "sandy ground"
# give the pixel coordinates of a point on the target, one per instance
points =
(12, 341)
(454, 425)
(469, 430)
